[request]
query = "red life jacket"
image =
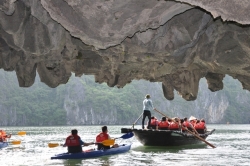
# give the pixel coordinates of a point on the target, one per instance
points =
(101, 137)
(73, 140)
(193, 122)
(200, 125)
(3, 136)
(173, 126)
(154, 122)
(188, 125)
(163, 124)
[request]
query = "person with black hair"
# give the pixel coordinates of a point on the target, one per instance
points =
(163, 124)
(74, 142)
(102, 137)
(188, 125)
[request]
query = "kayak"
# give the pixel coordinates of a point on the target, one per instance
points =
(3, 144)
(94, 153)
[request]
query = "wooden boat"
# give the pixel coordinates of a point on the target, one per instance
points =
(3, 144)
(94, 153)
(165, 137)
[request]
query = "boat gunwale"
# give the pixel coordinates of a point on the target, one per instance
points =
(95, 153)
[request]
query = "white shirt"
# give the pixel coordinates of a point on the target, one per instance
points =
(148, 104)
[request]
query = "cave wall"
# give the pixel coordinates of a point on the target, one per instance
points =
(173, 42)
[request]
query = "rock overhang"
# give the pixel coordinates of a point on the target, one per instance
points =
(173, 42)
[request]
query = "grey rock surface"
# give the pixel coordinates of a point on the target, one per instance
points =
(173, 42)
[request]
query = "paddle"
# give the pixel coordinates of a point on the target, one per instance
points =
(21, 133)
(200, 138)
(108, 142)
(126, 136)
(15, 142)
(52, 145)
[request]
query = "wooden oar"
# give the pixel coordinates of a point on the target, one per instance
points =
(136, 121)
(200, 138)
(161, 113)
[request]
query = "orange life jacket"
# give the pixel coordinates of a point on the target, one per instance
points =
(193, 122)
(163, 124)
(200, 125)
(73, 140)
(154, 122)
(188, 125)
(101, 137)
(174, 126)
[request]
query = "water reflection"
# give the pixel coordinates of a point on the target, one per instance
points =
(72, 162)
(169, 149)
(103, 161)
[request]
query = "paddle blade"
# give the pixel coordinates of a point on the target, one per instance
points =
(52, 145)
(127, 136)
(21, 133)
(16, 142)
(108, 142)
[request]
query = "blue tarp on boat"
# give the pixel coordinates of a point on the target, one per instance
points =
(95, 153)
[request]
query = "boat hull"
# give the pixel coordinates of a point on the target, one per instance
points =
(3, 144)
(166, 137)
(95, 153)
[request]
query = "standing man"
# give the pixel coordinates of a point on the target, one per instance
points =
(74, 142)
(147, 107)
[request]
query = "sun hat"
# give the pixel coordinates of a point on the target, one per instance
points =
(192, 118)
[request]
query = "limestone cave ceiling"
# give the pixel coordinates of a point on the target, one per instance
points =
(173, 42)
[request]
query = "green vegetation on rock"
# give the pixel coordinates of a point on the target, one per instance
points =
(82, 101)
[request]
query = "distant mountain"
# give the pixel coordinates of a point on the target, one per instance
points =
(83, 102)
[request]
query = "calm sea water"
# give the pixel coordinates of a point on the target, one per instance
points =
(231, 141)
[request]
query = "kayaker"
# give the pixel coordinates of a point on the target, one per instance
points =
(147, 107)
(74, 142)
(4, 136)
(103, 136)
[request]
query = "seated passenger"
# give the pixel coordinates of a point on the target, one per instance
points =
(200, 126)
(163, 124)
(102, 137)
(74, 142)
(4, 136)
(154, 123)
(205, 126)
(193, 120)
(174, 124)
(188, 125)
